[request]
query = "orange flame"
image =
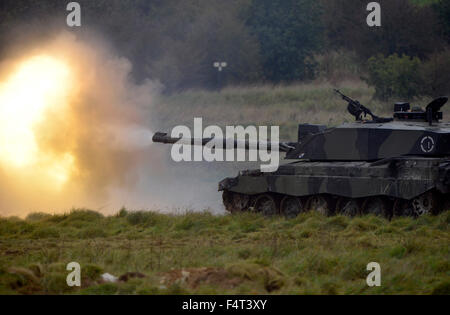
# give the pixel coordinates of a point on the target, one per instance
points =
(38, 89)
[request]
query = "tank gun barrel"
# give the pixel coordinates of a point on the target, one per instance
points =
(161, 137)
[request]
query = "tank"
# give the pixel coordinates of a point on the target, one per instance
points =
(383, 166)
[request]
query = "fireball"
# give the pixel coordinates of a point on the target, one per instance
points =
(34, 93)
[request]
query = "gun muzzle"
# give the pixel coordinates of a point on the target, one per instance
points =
(161, 137)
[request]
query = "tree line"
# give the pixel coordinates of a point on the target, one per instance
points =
(262, 41)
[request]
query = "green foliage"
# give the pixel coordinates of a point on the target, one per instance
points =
(288, 33)
(394, 76)
(442, 9)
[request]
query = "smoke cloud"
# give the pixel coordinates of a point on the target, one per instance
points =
(101, 121)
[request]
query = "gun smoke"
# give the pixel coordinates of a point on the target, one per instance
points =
(95, 118)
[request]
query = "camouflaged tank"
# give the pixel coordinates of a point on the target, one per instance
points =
(382, 166)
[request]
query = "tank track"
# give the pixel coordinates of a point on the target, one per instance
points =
(273, 204)
(403, 187)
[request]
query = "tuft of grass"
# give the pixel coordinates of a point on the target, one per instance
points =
(37, 216)
(92, 272)
(141, 218)
(83, 215)
(45, 232)
(271, 279)
(442, 288)
(92, 232)
(338, 223)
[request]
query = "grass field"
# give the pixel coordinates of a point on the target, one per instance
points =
(199, 253)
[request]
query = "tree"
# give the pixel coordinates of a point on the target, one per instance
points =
(442, 9)
(289, 32)
(406, 28)
(395, 76)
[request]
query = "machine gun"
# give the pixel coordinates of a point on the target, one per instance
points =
(359, 111)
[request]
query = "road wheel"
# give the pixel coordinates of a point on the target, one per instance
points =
(241, 202)
(377, 206)
(235, 202)
(291, 207)
(320, 204)
(348, 207)
(427, 203)
(266, 205)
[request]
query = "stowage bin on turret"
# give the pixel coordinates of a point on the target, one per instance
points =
(382, 166)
